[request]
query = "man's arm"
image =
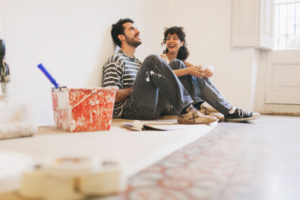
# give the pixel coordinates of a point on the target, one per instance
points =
(112, 77)
(122, 94)
(112, 72)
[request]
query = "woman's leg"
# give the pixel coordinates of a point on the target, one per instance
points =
(201, 88)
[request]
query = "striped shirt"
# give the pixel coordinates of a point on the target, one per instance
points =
(120, 71)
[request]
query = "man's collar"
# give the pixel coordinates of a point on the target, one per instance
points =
(123, 52)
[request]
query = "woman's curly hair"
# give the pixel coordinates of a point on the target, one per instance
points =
(183, 52)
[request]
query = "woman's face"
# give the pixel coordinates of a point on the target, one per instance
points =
(173, 43)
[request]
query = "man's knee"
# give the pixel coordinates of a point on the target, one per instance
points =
(153, 59)
(177, 64)
(155, 62)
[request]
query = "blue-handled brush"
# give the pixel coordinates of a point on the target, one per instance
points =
(51, 79)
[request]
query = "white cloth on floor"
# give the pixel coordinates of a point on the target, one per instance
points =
(17, 129)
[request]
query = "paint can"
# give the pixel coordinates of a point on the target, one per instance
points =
(83, 109)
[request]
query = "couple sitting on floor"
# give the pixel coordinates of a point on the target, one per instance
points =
(163, 85)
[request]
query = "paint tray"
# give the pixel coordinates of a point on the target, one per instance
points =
(83, 109)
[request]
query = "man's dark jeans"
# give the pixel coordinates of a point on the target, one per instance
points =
(156, 91)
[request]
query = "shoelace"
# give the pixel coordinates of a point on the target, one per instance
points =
(242, 113)
(194, 116)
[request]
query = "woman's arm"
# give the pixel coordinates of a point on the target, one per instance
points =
(188, 64)
(189, 70)
(194, 70)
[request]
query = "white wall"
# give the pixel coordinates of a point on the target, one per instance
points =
(72, 39)
(208, 28)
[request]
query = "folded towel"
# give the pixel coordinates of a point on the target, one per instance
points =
(17, 129)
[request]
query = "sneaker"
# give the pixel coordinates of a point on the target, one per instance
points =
(193, 116)
(211, 111)
(239, 116)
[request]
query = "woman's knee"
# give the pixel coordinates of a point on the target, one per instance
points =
(202, 81)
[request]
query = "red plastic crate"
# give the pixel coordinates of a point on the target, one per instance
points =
(83, 109)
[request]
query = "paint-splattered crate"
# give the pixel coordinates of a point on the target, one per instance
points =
(83, 109)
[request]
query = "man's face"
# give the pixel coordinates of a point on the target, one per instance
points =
(132, 35)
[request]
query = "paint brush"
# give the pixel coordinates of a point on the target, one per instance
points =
(48, 75)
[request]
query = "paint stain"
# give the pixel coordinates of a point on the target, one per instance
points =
(152, 74)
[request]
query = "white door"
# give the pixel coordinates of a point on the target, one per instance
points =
(283, 77)
(283, 62)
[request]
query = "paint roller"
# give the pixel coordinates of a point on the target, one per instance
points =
(26, 128)
(12, 129)
(4, 70)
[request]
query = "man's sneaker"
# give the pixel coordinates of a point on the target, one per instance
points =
(193, 116)
(211, 111)
(239, 115)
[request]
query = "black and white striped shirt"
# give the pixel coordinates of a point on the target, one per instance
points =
(120, 70)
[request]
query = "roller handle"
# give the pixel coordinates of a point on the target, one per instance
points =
(4, 69)
(51, 79)
(2, 49)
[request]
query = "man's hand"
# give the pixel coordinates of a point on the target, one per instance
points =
(122, 94)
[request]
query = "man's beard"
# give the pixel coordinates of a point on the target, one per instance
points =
(132, 42)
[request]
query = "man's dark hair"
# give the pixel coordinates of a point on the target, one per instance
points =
(183, 52)
(118, 29)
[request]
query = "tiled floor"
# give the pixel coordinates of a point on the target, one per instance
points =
(259, 160)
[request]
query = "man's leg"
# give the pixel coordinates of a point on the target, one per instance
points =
(201, 88)
(155, 78)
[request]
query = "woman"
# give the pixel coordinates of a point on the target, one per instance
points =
(174, 39)
(196, 78)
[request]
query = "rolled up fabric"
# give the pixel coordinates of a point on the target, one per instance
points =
(17, 129)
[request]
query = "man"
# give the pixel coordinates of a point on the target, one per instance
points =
(149, 89)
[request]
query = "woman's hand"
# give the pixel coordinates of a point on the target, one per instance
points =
(198, 70)
(195, 71)
(208, 72)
